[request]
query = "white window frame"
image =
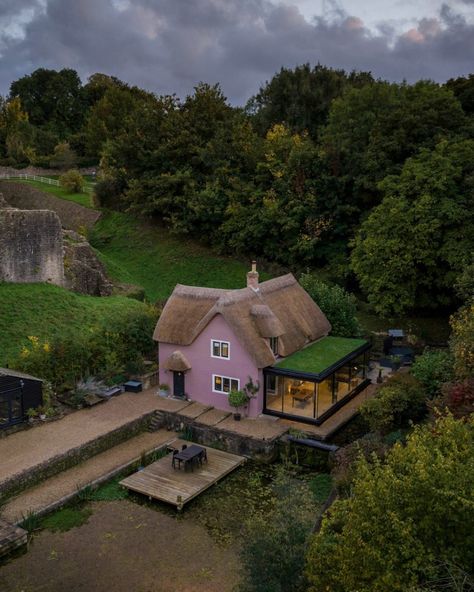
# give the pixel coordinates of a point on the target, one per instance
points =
(220, 341)
(230, 378)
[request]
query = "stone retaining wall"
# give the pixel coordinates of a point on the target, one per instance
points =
(25, 197)
(69, 458)
(255, 448)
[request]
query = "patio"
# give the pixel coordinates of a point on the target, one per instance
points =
(175, 486)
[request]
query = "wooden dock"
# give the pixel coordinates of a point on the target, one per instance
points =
(176, 486)
(11, 537)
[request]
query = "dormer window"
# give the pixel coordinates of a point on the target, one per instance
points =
(274, 345)
(220, 349)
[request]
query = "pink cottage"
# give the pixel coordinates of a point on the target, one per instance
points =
(212, 341)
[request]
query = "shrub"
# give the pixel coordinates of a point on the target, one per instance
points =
(108, 193)
(458, 398)
(338, 305)
(72, 181)
(401, 399)
(238, 399)
(102, 351)
(406, 515)
(432, 369)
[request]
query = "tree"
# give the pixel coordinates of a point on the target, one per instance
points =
(64, 157)
(301, 98)
(273, 552)
(461, 341)
(338, 305)
(463, 89)
(52, 99)
(406, 515)
(372, 130)
(412, 247)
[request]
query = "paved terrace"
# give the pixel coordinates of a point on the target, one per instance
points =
(29, 448)
(23, 450)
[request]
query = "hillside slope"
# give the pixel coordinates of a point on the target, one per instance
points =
(48, 311)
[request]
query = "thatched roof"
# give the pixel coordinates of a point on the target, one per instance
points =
(267, 322)
(280, 308)
(177, 362)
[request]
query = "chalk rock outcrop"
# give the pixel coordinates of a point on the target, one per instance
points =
(83, 271)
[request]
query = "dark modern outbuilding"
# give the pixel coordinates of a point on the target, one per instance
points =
(18, 393)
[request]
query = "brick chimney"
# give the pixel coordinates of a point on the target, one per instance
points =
(252, 277)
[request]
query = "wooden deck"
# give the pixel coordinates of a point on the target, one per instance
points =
(11, 537)
(177, 486)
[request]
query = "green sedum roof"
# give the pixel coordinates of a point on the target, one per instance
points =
(322, 354)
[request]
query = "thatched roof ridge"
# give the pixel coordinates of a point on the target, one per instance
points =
(198, 292)
(177, 362)
(279, 308)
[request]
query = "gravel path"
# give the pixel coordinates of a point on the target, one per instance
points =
(28, 448)
(66, 483)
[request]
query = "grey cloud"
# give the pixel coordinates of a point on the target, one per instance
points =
(169, 46)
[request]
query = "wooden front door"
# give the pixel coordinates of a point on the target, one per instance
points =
(178, 384)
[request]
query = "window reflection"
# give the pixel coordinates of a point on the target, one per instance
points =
(311, 399)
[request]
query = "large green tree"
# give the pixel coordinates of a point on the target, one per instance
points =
(406, 516)
(52, 99)
(372, 130)
(412, 247)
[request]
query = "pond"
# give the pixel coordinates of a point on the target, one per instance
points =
(117, 541)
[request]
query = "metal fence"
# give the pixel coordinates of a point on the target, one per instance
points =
(87, 187)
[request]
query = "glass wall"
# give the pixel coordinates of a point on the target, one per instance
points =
(311, 399)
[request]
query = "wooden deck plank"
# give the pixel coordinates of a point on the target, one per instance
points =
(177, 486)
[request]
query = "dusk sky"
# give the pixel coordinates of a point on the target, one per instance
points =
(168, 46)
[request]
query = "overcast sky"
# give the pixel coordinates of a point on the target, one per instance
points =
(168, 46)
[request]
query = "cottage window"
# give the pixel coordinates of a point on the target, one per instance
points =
(274, 345)
(220, 349)
(224, 384)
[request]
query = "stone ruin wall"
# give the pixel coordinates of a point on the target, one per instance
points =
(34, 247)
(31, 246)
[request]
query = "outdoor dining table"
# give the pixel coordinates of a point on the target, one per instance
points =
(188, 455)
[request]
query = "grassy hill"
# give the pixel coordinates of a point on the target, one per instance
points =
(48, 311)
(145, 254)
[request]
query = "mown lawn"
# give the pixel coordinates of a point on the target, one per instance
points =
(140, 253)
(48, 311)
(83, 199)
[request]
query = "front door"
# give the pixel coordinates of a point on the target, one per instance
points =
(178, 384)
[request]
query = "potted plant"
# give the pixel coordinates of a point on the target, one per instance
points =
(238, 399)
(42, 412)
(164, 389)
